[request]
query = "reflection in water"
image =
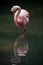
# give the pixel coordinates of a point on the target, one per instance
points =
(20, 48)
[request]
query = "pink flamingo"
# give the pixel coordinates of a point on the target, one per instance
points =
(21, 16)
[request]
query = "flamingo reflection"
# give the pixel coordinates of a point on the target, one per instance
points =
(20, 48)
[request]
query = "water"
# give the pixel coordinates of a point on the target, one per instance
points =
(34, 57)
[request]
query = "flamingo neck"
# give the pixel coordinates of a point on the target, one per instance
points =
(16, 15)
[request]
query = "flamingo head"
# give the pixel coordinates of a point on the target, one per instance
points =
(15, 8)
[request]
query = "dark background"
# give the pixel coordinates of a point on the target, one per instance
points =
(9, 32)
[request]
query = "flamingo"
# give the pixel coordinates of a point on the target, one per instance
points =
(21, 16)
